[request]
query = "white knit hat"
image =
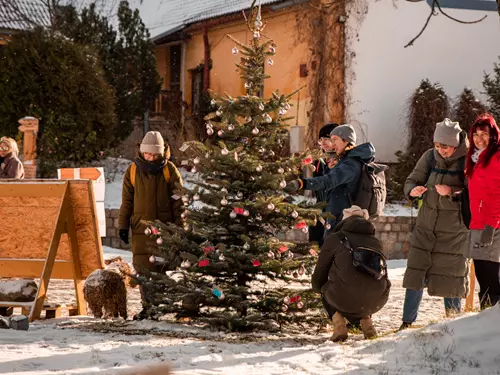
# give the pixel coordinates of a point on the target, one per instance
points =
(355, 211)
(447, 133)
(153, 143)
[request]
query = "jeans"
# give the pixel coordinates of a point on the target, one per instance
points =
(412, 303)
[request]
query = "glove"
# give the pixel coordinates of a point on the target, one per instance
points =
(487, 235)
(294, 186)
(124, 235)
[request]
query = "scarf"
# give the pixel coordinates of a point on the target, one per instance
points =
(476, 154)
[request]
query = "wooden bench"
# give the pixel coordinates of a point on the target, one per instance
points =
(52, 310)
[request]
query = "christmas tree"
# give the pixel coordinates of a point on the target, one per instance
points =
(227, 265)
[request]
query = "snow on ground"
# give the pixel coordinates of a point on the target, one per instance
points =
(73, 345)
(393, 209)
(467, 345)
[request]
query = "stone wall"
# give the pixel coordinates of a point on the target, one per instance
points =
(393, 231)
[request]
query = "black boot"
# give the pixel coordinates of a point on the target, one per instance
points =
(405, 326)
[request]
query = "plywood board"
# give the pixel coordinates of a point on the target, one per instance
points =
(29, 210)
(87, 228)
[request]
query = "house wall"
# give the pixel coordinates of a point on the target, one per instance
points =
(295, 30)
(382, 74)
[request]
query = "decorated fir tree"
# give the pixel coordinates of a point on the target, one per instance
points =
(227, 265)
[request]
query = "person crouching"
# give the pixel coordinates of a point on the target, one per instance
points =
(351, 292)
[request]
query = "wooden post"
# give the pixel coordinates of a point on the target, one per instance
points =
(469, 301)
(29, 128)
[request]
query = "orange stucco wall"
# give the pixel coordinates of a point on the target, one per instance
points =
(299, 41)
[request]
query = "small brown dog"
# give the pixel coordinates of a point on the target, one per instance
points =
(156, 369)
(107, 289)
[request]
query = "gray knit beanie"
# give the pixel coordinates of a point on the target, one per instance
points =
(346, 132)
(447, 133)
(153, 143)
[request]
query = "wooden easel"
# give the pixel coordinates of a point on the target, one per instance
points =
(469, 301)
(52, 200)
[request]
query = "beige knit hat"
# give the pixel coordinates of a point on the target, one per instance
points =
(447, 133)
(355, 211)
(153, 143)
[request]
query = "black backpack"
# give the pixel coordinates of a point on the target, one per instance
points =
(371, 192)
(365, 259)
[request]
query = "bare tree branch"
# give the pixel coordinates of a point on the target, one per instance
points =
(435, 3)
(410, 43)
(457, 20)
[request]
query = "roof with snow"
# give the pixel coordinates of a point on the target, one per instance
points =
(23, 14)
(164, 17)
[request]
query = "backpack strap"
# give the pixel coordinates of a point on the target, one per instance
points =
(133, 171)
(431, 167)
(166, 173)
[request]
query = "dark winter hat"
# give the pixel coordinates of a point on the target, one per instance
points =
(325, 131)
(346, 132)
(447, 133)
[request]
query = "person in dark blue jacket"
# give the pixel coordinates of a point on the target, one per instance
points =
(321, 167)
(342, 181)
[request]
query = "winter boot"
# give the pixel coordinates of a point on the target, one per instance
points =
(404, 326)
(368, 328)
(339, 327)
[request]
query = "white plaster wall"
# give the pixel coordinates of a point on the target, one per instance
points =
(382, 74)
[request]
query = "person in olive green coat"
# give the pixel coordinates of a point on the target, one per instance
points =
(436, 258)
(148, 196)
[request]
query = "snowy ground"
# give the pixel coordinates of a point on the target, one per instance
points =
(467, 345)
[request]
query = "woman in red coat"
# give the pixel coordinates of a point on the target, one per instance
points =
(483, 172)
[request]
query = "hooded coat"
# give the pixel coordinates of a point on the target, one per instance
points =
(150, 199)
(350, 292)
(11, 167)
(342, 180)
(439, 241)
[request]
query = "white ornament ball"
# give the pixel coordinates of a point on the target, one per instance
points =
(305, 230)
(295, 214)
(196, 160)
(222, 257)
(284, 308)
(210, 131)
(193, 170)
(230, 127)
(286, 300)
(233, 215)
(239, 195)
(283, 184)
(328, 226)
(234, 51)
(259, 168)
(268, 118)
(220, 133)
(300, 304)
(152, 259)
(246, 213)
(147, 231)
(223, 202)
(223, 190)
(258, 218)
(218, 113)
(270, 255)
(271, 153)
(186, 264)
(159, 241)
(281, 170)
(261, 106)
(213, 102)
(255, 131)
(246, 246)
(272, 50)
(224, 151)
(270, 206)
(262, 150)
(196, 197)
